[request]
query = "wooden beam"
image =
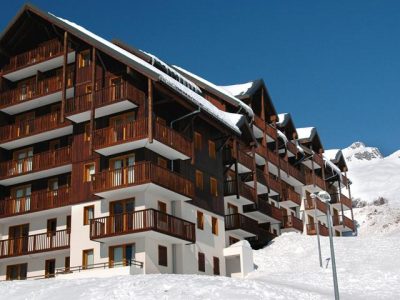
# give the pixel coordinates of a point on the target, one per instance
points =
(262, 105)
(64, 76)
(150, 110)
(92, 108)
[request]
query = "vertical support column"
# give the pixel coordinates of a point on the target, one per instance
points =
(92, 96)
(64, 77)
(235, 155)
(351, 208)
(150, 109)
(253, 152)
(262, 105)
(323, 169)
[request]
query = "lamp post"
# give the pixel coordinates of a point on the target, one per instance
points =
(324, 196)
(316, 224)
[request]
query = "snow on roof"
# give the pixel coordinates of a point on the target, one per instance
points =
(305, 133)
(333, 154)
(283, 119)
(238, 89)
(172, 72)
(282, 136)
(242, 243)
(229, 119)
(334, 168)
(218, 90)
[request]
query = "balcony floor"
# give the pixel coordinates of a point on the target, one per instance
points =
(41, 67)
(28, 216)
(24, 177)
(260, 160)
(26, 105)
(156, 146)
(35, 138)
(241, 201)
(261, 188)
(258, 133)
(111, 108)
(240, 232)
(126, 192)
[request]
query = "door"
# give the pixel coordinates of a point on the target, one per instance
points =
(50, 268)
(17, 272)
(122, 217)
(18, 239)
(25, 123)
(123, 170)
(115, 88)
(87, 259)
(122, 126)
(162, 220)
(22, 196)
(23, 161)
(121, 255)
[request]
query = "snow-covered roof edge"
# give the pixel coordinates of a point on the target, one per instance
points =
(217, 90)
(240, 89)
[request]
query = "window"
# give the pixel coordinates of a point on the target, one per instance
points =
(121, 255)
(50, 268)
(87, 259)
(67, 264)
(202, 262)
(211, 149)
(199, 180)
(216, 265)
(162, 162)
(89, 170)
(88, 214)
(162, 256)
(197, 141)
(213, 187)
(200, 220)
(88, 89)
(214, 225)
(86, 135)
(16, 272)
(51, 227)
(232, 209)
(68, 222)
(84, 59)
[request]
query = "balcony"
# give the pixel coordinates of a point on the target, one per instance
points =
(134, 135)
(33, 131)
(122, 183)
(244, 160)
(139, 223)
(261, 239)
(292, 175)
(318, 160)
(272, 133)
(342, 223)
(292, 223)
(273, 158)
(262, 181)
(37, 243)
(292, 148)
(315, 179)
(319, 205)
(263, 211)
(290, 198)
(35, 94)
(37, 201)
(47, 56)
(241, 225)
(107, 101)
(338, 200)
(312, 229)
(260, 155)
(239, 193)
(259, 127)
(274, 185)
(41, 165)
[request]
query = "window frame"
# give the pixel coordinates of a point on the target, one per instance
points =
(214, 225)
(200, 220)
(162, 256)
(86, 220)
(212, 152)
(214, 186)
(199, 180)
(201, 259)
(198, 143)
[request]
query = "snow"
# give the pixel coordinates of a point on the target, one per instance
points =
(373, 175)
(238, 89)
(283, 118)
(229, 119)
(287, 269)
(334, 168)
(333, 154)
(305, 133)
(217, 89)
(282, 136)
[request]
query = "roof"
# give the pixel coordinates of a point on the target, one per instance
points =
(333, 154)
(232, 121)
(220, 92)
(306, 133)
(243, 90)
(283, 119)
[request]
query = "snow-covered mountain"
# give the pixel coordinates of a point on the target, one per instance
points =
(373, 175)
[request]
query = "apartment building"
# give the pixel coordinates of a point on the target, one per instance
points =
(111, 156)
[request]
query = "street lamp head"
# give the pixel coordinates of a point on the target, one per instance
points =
(324, 196)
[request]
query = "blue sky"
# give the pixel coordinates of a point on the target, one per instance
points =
(331, 64)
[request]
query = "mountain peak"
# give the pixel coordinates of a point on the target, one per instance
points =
(359, 151)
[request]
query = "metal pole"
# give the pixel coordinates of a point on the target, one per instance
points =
(316, 224)
(335, 281)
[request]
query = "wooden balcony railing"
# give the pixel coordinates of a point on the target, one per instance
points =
(33, 90)
(340, 198)
(261, 150)
(323, 230)
(274, 184)
(31, 127)
(262, 178)
(104, 96)
(271, 131)
(38, 162)
(259, 122)
(37, 201)
(245, 159)
(142, 220)
(309, 180)
(289, 194)
(270, 210)
(292, 222)
(239, 221)
(296, 173)
(273, 157)
(49, 241)
(138, 130)
(142, 173)
(39, 54)
(309, 204)
(246, 191)
(291, 147)
(348, 223)
(343, 220)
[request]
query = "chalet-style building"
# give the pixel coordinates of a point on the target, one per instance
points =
(110, 156)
